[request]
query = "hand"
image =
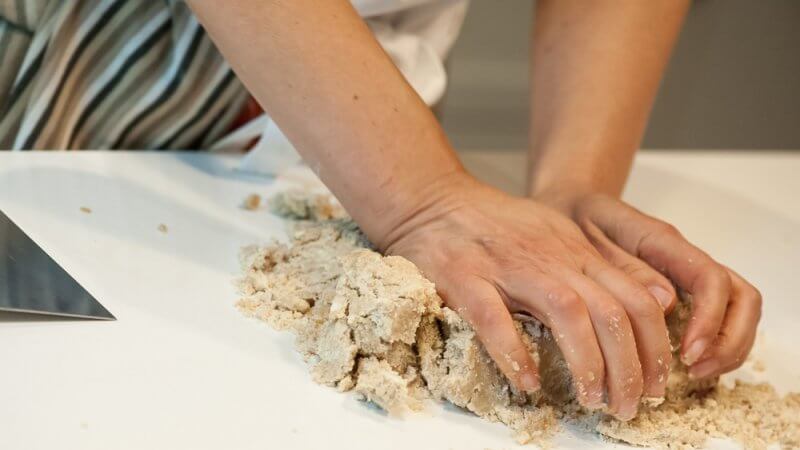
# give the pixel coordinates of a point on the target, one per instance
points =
(491, 254)
(726, 308)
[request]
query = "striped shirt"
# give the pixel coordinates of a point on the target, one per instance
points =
(111, 74)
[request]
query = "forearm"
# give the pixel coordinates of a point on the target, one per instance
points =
(596, 70)
(318, 71)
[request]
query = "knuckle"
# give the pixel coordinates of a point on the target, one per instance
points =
(486, 314)
(665, 228)
(646, 308)
(634, 269)
(614, 314)
(707, 330)
(754, 296)
(564, 300)
(595, 372)
(617, 321)
(716, 272)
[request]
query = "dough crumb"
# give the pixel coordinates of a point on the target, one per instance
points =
(86, 209)
(162, 228)
(753, 415)
(301, 205)
(375, 325)
(252, 202)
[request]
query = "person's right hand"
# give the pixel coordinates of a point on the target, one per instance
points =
(491, 254)
(726, 308)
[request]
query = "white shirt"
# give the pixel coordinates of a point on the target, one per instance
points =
(417, 34)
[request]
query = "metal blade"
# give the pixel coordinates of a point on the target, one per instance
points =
(32, 282)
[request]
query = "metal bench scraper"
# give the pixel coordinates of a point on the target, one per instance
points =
(32, 282)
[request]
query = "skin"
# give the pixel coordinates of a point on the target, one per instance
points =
(586, 127)
(571, 254)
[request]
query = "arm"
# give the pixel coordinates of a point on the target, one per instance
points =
(597, 69)
(311, 62)
(319, 73)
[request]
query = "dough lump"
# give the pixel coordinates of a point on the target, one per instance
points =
(374, 324)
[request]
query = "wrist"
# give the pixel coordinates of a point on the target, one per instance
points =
(564, 169)
(562, 197)
(566, 193)
(562, 186)
(418, 203)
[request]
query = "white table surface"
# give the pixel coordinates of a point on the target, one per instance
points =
(181, 368)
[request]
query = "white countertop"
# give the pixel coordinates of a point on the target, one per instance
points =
(181, 368)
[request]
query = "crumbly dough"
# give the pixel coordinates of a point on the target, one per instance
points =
(252, 202)
(751, 414)
(374, 324)
(301, 205)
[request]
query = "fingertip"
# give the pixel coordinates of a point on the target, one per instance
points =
(529, 381)
(704, 369)
(627, 413)
(694, 351)
(526, 372)
(518, 365)
(594, 400)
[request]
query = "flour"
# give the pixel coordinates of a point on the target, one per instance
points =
(374, 325)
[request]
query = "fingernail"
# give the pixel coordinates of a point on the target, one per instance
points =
(530, 382)
(663, 296)
(694, 351)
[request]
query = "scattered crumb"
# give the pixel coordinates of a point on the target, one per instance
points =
(163, 228)
(252, 202)
(301, 205)
(758, 365)
(374, 325)
(752, 414)
(86, 209)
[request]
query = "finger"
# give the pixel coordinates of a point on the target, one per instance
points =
(662, 247)
(647, 321)
(707, 281)
(562, 310)
(615, 336)
(658, 285)
(481, 305)
(738, 331)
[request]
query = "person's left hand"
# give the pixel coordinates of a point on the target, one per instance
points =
(726, 308)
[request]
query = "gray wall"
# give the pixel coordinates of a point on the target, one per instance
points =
(733, 82)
